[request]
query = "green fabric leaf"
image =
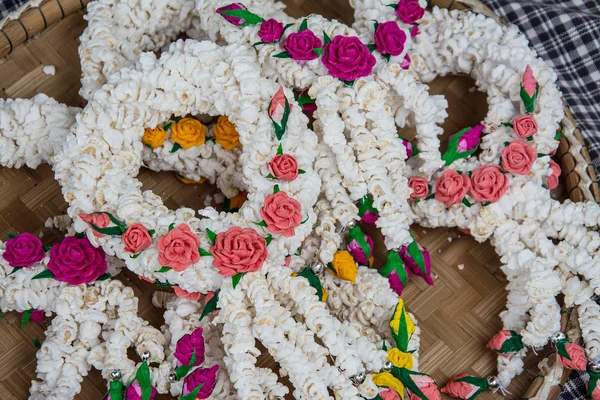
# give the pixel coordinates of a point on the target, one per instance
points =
(276, 189)
(151, 232)
(512, 344)
(36, 343)
(466, 202)
(15, 269)
(111, 231)
(479, 382)
(366, 204)
(348, 83)
(171, 227)
(280, 149)
(452, 154)
(210, 306)
(305, 99)
(394, 263)
(318, 50)
(393, 5)
(371, 47)
(405, 376)
(387, 59)
(183, 370)
(417, 255)
(248, 17)
(259, 43)
(135, 255)
(326, 38)
(559, 135)
(269, 239)
(44, 274)
(11, 236)
(357, 234)
(486, 203)
(211, 235)
(26, 317)
(313, 281)
(288, 26)
(116, 390)
(561, 349)
(164, 269)
(193, 395)
(303, 25)
(204, 253)
(529, 102)
(104, 277)
(46, 248)
(143, 378)
(166, 284)
(283, 54)
(79, 235)
(235, 280)
(301, 171)
(270, 176)
(510, 125)
(305, 219)
(593, 382)
(261, 223)
(176, 146)
(541, 155)
(166, 128)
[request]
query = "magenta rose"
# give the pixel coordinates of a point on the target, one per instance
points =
(187, 345)
(389, 38)
(300, 45)
(412, 265)
(347, 58)
(239, 250)
(281, 213)
(76, 261)
(134, 392)
(234, 6)
(470, 139)
(207, 377)
(405, 64)
(409, 11)
(284, 167)
(24, 250)
(409, 148)
(36, 316)
(270, 31)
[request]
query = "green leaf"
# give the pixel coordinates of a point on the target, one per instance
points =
(143, 378)
(151, 232)
(387, 57)
(111, 231)
(36, 342)
(431, 196)
(134, 256)
(301, 171)
(371, 47)
(210, 306)
(393, 5)
(11, 236)
(15, 269)
(280, 149)
(326, 38)
(507, 124)
(375, 25)
(270, 176)
(176, 146)
(46, 248)
(276, 189)
(481, 383)
(148, 146)
(405, 376)
(79, 235)
(348, 83)
(486, 203)
(559, 135)
(166, 284)
(204, 253)
(166, 128)
(269, 239)
(248, 17)
(44, 274)
(357, 234)
(512, 345)
(303, 25)
(182, 371)
(305, 99)
(261, 223)
(529, 102)
(305, 219)
(561, 349)
(26, 317)
(466, 202)
(593, 382)
(116, 390)
(259, 43)
(171, 227)
(452, 154)
(318, 50)
(104, 277)
(164, 269)
(288, 26)
(193, 395)
(542, 155)
(211, 235)
(313, 281)
(236, 279)
(283, 54)
(417, 255)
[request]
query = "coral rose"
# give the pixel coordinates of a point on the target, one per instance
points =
(184, 294)
(76, 261)
(281, 213)
(409, 11)
(187, 345)
(389, 38)
(419, 186)
(461, 390)
(24, 250)
(284, 167)
(178, 249)
(518, 157)
(452, 187)
(552, 180)
(188, 132)
(488, 184)
(389, 394)
(154, 137)
(578, 360)
(100, 220)
(300, 45)
(239, 250)
(347, 58)
(427, 386)
(525, 126)
(225, 134)
(136, 238)
(270, 31)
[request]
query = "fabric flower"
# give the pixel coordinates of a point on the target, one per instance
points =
(578, 360)
(414, 31)
(100, 220)
(270, 31)
(234, 20)
(24, 250)
(401, 319)
(360, 245)
(405, 64)
(528, 82)
(187, 345)
(386, 379)
(506, 342)
(178, 249)
(461, 390)
(389, 394)
(470, 139)
(76, 261)
(284, 167)
(184, 294)
(239, 250)
(36, 316)
(413, 265)
(154, 137)
(525, 126)
(552, 180)
(400, 359)
(368, 214)
(134, 392)
(427, 386)
(188, 132)
(281, 213)
(593, 392)
(300, 45)
(419, 186)
(395, 271)
(452, 187)
(389, 38)
(207, 377)
(225, 134)
(347, 58)
(408, 146)
(136, 238)
(343, 266)
(409, 11)
(488, 184)
(518, 157)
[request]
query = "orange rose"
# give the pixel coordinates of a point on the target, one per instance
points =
(154, 137)
(518, 157)
(225, 134)
(452, 187)
(188, 132)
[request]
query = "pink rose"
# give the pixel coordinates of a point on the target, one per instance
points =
(301, 45)
(409, 11)
(528, 81)
(578, 360)
(184, 294)
(178, 249)
(76, 261)
(281, 213)
(101, 220)
(136, 238)
(284, 167)
(595, 395)
(347, 58)
(389, 38)
(270, 31)
(518, 157)
(369, 218)
(389, 394)
(234, 6)
(498, 340)
(452, 187)
(414, 31)
(427, 385)
(461, 390)
(488, 184)
(24, 250)
(419, 186)
(134, 392)
(207, 377)
(36, 316)
(187, 345)
(408, 146)
(525, 126)
(552, 182)
(405, 64)
(239, 250)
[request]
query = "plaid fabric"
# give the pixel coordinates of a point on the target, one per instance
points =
(9, 6)
(575, 388)
(566, 34)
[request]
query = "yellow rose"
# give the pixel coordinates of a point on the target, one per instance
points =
(188, 132)
(189, 181)
(236, 202)
(400, 359)
(386, 379)
(402, 326)
(154, 137)
(225, 134)
(344, 266)
(324, 296)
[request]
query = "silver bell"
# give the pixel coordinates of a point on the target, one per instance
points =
(145, 356)
(594, 365)
(172, 377)
(359, 378)
(387, 365)
(493, 382)
(557, 337)
(115, 375)
(351, 225)
(318, 267)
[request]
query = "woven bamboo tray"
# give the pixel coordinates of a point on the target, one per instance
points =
(457, 316)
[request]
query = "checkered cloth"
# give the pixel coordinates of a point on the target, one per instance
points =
(10, 6)
(575, 388)
(566, 34)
